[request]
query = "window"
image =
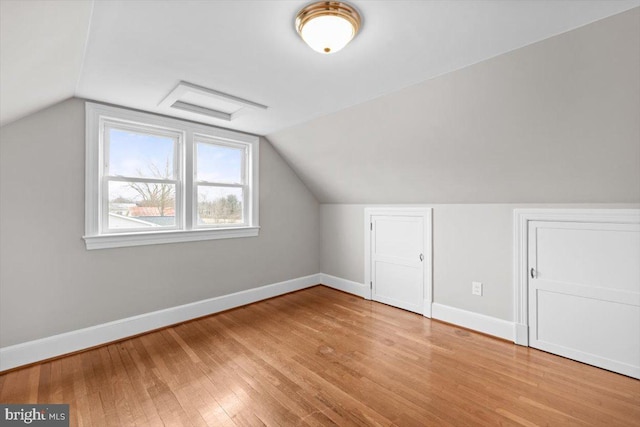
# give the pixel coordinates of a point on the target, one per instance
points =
(220, 182)
(141, 173)
(151, 179)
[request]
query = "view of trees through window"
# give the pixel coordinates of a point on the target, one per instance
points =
(162, 197)
(219, 205)
(142, 188)
(221, 210)
(139, 204)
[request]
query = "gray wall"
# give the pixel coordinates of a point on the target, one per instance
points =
(50, 284)
(470, 243)
(554, 122)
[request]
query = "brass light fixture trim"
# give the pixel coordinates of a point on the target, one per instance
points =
(328, 8)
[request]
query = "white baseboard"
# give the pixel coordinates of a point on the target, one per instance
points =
(69, 342)
(521, 334)
(345, 285)
(427, 310)
(478, 322)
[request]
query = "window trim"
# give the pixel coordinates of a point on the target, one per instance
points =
(188, 231)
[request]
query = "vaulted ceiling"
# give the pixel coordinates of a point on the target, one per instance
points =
(402, 114)
(133, 53)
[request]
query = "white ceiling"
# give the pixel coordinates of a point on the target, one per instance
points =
(41, 50)
(133, 53)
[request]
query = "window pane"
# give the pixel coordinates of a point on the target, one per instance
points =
(141, 205)
(218, 163)
(219, 205)
(139, 155)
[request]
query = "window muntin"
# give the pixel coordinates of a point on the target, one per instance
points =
(153, 179)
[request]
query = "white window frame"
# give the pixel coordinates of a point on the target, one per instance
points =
(187, 229)
(244, 185)
(178, 135)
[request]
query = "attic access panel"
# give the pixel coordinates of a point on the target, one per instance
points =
(208, 102)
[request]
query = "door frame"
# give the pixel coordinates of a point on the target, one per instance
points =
(427, 265)
(521, 219)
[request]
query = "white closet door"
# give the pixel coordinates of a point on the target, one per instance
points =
(397, 272)
(584, 292)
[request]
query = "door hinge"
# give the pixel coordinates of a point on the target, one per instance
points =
(371, 284)
(371, 226)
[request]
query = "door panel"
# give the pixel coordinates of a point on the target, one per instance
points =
(398, 285)
(397, 270)
(588, 255)
(398, 237)
(584, 296)
(574, 325)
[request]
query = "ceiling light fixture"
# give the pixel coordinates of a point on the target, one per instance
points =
(327, 26)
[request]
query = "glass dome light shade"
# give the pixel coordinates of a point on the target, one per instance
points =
(327, 34)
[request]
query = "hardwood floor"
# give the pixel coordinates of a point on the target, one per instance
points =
(323, 357)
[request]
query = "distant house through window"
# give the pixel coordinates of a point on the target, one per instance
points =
(151, 179)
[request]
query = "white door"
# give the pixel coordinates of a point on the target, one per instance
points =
(398, 260)
(584, 292)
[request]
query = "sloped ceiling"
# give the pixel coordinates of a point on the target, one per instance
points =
(136, 51)
(557, 121)
(41, 53)
(553, 121)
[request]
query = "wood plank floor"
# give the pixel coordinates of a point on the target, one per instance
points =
(323, 357)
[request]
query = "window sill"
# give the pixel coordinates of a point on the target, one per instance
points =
(121, 240)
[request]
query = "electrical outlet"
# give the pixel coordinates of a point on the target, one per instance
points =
(476, 288)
